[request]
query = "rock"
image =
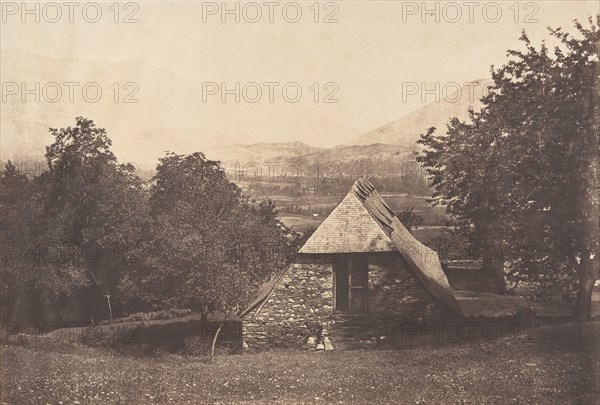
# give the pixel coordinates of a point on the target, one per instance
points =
(327, 344)
(311, 341)
(320, 346)
(245, 345)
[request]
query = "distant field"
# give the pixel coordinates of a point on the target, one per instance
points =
(300, 223)
(425, 233)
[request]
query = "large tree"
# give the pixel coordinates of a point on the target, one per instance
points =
(26, 251)
(521, 176)
(94, 205)
(210, 247)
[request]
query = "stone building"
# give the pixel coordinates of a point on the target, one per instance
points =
(358, 277)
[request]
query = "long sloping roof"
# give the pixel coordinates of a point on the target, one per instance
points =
(363, 222)
(423, 261)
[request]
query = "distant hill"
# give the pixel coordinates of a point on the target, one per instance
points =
(406, 130)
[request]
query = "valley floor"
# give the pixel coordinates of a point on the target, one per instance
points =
(553, 364)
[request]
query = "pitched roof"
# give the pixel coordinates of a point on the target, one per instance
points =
(346, 233)
(349, 228)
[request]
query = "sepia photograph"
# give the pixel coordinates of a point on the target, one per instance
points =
(300, 202)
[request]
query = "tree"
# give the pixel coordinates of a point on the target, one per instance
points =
(94, 204)
(410, 219)
(28, 253)
(17, 275)
(229, 290)
(522, 175)
(210, 247)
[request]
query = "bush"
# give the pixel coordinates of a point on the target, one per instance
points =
(150, 316)
(199, 346)
(109, 337)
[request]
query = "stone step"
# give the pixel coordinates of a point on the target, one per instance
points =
(352, 316)
(355, 325)
(338, 339)
(353, 328)
(352, 334)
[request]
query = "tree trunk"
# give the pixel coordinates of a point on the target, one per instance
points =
(109, 308)
(15, 314)
(493, 264)
(582, 311)
(214, 341)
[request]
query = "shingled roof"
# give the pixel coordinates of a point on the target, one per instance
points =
(349, 228)
(363, 222)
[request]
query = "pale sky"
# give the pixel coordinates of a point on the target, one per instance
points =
(369, 52)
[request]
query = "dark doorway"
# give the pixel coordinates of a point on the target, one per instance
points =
(351, 279)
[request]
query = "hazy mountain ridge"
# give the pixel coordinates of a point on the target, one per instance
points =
(165, 100)
(233, 134)
(406, 130)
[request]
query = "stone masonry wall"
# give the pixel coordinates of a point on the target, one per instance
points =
(395, 296)
(302, 303)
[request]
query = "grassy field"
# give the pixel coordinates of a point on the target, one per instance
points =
(492, 305)
(556, 364)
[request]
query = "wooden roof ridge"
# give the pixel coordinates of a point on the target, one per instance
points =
(423, 261)
(377, 207)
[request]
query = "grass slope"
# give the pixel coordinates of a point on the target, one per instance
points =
(556, 364)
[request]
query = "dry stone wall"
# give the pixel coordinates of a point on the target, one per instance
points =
(301, 306)
(300, 303)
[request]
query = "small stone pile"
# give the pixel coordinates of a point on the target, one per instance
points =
(321, 343)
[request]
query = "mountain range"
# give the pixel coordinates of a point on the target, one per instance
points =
(171, 115)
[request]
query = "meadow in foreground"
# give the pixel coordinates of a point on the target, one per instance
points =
(556, 364)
